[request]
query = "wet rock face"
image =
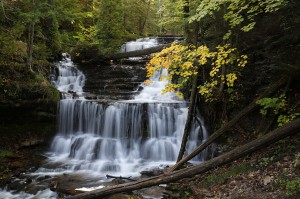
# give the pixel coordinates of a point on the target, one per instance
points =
(116, 82)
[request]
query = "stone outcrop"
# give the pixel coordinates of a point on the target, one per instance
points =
(113, 81)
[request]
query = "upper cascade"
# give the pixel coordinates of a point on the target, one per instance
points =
(148, 42)
(67, 78)
(139, 44)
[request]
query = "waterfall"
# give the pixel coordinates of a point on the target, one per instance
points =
(139, 44)
(67, 78)
(119, 138)
(122, 138)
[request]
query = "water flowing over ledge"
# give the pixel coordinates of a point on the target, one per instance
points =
(123, 137)
(120, 138)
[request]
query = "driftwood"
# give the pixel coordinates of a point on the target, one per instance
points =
(278, 134)
(229, 124)
(54, 186)
(120, 177)
(71, 192)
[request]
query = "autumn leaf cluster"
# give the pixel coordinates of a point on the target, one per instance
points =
(222, 64)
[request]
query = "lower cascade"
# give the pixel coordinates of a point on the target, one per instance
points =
(120, 138)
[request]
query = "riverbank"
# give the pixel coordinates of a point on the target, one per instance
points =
(270, 173)
(26, 130)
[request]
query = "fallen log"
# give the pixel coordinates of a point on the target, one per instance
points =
(278, 134)
(229, 124)
(136, 53)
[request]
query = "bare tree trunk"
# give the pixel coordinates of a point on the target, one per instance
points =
(30, 45)
(188, 124)
(228, 125)
(30, 40)
(262, 142)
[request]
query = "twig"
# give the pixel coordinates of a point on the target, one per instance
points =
(124, 178)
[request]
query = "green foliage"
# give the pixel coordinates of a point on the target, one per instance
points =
(110, 26)
(292, 187)
(238, 14)
(277, 106)
(285, 119)
(136, 16)
(221, 178)
(272, 104)
(17, 82)
(86, 36)
(171, 15)
(266, 161)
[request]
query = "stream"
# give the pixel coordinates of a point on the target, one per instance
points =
(119, 138)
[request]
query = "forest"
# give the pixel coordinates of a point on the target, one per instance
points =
(238, 66)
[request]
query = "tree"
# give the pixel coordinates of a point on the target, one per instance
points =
(110, 31)
(135, 17)
(50, 28)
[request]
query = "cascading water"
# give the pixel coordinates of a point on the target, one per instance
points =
(139, 44)
(153, 91)
(67, 78)
(118, 138)
(124, 137)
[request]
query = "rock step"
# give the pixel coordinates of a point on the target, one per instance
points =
(117, 82)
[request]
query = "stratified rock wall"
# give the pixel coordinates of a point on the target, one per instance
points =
(114, 81)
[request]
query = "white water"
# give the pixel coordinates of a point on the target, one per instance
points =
(45, 194)
(153, 91)
(69, 80)
(139, 44)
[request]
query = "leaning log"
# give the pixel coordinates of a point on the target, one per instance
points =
(229, 124)
(278, 134)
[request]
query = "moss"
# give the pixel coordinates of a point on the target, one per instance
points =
(18, 83)
(291, 186)
(45, 116)
(222, 178)
(6, 154)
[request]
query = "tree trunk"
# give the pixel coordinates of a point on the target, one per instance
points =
(228, 125)
(188, 124)
(278, 134)
(30, 45)
(30, 39)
